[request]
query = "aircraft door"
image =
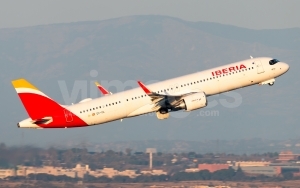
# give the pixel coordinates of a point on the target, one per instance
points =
(68, 116)
(259, 66)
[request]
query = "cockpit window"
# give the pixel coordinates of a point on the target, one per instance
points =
(273, 61)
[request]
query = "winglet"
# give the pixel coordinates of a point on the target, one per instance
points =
(102, 89)
(146, 90)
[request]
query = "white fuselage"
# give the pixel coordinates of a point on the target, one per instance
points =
(135, 102)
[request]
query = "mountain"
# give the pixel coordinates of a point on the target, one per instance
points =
(61, 59)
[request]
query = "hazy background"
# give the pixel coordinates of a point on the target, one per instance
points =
(171, 39)
(256, 14)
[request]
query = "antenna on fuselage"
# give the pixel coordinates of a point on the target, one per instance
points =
(251, 57)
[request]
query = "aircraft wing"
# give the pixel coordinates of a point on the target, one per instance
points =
(156, 98)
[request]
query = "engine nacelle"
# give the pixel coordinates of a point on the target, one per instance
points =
(194, 101)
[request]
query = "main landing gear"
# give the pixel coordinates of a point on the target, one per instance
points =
(272, 83)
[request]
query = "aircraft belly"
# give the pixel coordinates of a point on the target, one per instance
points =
(142, 110)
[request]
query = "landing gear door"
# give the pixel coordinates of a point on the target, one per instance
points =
(68, 116)
(259, 66)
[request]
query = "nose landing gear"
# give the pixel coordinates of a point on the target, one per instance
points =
(270, 82)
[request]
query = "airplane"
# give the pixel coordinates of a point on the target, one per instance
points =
(186, 93)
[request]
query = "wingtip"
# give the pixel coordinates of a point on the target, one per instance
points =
(97, 83)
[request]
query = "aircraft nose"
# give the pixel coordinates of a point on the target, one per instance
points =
(285, 67)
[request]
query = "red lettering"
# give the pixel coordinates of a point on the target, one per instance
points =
(218, 72)
(242, 66)
(231, 69)
(226, 70)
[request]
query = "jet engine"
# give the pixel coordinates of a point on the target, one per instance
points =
(193, 101)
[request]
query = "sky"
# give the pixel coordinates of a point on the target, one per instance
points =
(255, 14)
(262, 14)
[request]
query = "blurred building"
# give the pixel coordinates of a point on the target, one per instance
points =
(129, 173)
(192, 170)
(7, 172)
(81, 170)
(212, 167)
(154, 172)
(287, 156)
(251, 163)
(26, 170)
(55, 171)
(109, 172)
(206, 186)
(260, 170)
(78, 172)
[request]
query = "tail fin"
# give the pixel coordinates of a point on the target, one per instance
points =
(36, 103)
